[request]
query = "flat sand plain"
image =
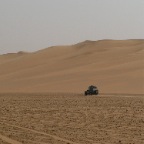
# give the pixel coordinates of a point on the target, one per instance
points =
(60, 118)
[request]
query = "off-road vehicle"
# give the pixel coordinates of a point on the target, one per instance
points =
(92, 90)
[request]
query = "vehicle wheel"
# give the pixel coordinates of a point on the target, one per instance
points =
(96, 93)
(85, 93)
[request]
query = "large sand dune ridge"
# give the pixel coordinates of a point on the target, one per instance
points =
(115, 66)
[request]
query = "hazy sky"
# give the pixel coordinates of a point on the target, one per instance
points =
(29, 25)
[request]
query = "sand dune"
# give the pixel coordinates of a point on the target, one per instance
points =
(115, 66)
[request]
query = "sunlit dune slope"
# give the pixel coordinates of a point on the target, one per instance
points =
(115, 66)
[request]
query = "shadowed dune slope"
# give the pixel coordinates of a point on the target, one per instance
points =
(115, 66)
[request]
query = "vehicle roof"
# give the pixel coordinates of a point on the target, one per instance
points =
(92, 86)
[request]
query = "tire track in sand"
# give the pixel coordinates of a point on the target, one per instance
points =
(9, 140)
(38, 132)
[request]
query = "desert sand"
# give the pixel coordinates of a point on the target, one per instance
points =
(115, 66)
(42, 94)
(71, 119)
